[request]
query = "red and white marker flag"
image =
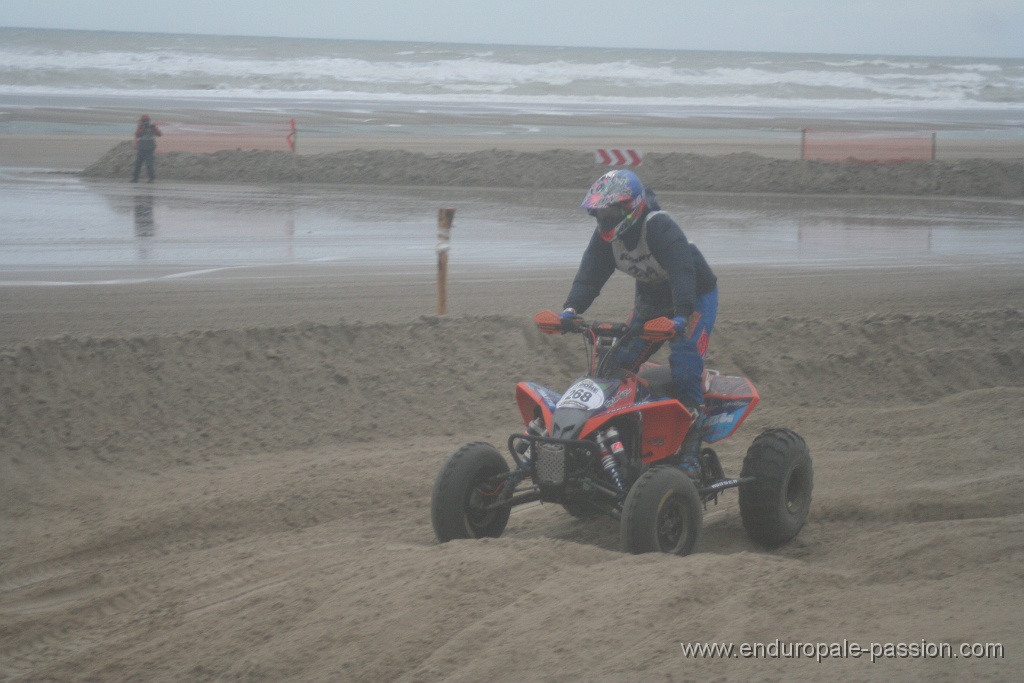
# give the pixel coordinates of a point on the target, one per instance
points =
(619, 157)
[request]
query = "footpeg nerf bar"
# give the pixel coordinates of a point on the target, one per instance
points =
(723, 484)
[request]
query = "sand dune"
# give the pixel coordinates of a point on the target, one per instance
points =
(122, 399)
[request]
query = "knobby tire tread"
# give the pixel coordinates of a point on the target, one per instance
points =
(773, 455)
(637, 531)
(446, 510)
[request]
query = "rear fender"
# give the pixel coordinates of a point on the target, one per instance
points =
(728, 401)
(665, 424)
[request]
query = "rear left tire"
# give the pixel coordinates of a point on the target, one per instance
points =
(775, 505)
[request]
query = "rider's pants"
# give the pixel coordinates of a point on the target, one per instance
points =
(686, 353)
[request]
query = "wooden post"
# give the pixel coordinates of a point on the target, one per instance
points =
(444, 228)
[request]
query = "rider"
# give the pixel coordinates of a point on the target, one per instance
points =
(672, 280)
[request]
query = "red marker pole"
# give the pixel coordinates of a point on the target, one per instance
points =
(444, 229)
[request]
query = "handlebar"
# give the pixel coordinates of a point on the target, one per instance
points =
(656, 330)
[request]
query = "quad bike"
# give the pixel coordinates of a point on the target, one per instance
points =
(609, 445)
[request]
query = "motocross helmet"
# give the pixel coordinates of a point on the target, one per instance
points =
(621, 189)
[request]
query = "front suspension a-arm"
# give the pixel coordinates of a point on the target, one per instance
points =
(523, 466)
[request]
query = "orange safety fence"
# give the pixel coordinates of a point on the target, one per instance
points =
(198, 137)
(875, 147)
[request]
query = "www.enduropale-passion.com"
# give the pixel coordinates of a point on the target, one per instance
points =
(843, 650)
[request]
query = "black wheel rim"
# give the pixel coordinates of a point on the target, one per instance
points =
(795, 494)
(482, 493)
(672, 524)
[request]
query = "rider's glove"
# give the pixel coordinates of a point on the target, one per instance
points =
(679, 322)
(568, 317)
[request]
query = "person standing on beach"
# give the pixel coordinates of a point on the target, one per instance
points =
(673, 280)
(146, 134)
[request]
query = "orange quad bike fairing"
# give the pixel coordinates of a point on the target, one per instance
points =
(665, 421)
(665, 425)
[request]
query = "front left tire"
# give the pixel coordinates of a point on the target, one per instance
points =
(662, 513)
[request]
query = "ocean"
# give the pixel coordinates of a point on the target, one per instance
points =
(92, 70)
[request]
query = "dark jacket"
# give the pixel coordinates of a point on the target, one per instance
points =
(145, 136)
(689, 274)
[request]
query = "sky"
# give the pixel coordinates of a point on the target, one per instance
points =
(962, 28)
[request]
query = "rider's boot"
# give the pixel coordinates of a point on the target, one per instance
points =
(690, 448)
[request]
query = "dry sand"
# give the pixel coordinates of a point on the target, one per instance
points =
(230, 480)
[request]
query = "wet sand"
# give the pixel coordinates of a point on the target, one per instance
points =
(228, 477)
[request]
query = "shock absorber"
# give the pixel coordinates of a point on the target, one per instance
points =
(524, 447)
(611, 451)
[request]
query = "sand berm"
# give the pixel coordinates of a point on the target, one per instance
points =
(561, 168)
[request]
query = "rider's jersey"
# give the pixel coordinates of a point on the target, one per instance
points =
(638, 262)
(670, 272)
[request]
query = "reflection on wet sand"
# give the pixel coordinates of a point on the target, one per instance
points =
(205, 226)
(192, 224)
(145, 227)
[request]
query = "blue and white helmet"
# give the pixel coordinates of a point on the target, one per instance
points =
(617, 188)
